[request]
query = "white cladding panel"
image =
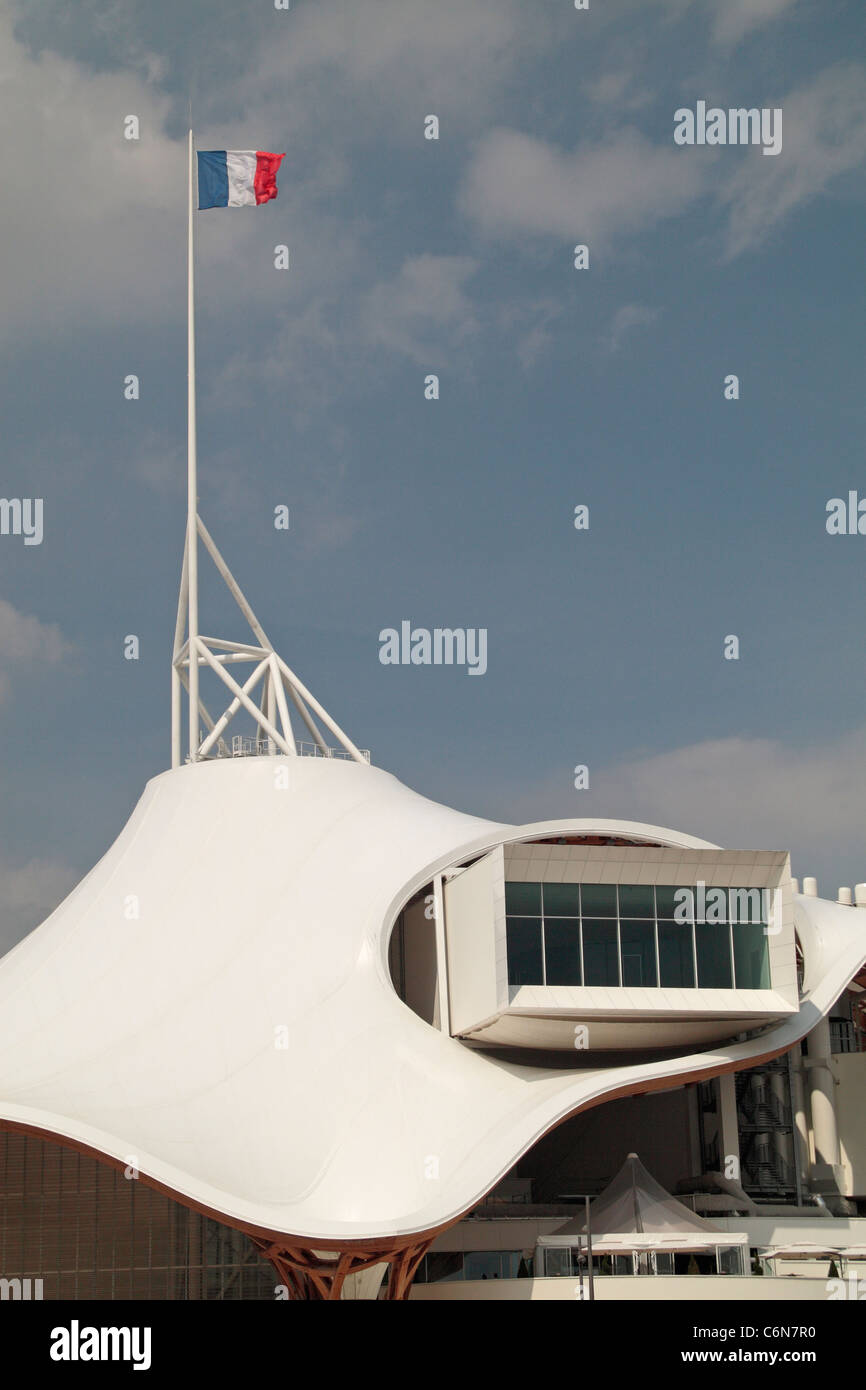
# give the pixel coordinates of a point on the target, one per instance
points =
(470, 931)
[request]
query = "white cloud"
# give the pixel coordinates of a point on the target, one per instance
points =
(324, 345)
(95, 224)
(731, 19)
(623, 185)
(824, 137)
(423, 312)
(617, 88)
(92, 222)
(395, 57)
(26, 642)
(624, 320)
(741, 793)
(517, 184)
(527, 325)
(28, 893)
(736, 18)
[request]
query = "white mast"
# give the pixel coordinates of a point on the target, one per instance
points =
(191, 471)
(193, 651)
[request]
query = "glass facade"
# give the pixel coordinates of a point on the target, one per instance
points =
(87, 1232)
(570, 1262)
(450, 1266)
(637, 935)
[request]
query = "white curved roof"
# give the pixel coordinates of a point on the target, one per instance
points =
(153, 1038)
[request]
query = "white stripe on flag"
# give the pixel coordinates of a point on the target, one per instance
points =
(241, 169)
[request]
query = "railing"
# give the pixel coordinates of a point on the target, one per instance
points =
(254, 747)
(312, 750)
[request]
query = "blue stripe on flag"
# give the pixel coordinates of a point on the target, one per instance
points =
(213, 179)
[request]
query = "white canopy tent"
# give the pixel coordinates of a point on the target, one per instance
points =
(802, 1249)
(635, 1217)
(803, 1253)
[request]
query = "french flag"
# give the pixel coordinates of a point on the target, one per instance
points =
(237, 178)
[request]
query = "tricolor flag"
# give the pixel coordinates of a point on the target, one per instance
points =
(236, 178)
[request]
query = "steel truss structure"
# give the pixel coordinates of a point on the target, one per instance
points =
(276, 680)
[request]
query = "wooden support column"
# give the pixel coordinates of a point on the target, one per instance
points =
(310, 1276)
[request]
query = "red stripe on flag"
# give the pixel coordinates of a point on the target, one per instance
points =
(265, 182)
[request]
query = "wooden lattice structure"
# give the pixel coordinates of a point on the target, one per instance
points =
(312, 1275)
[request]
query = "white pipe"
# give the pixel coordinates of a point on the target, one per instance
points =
(246, 702)
(296, 687)
(269, 701)
(322, 713)
(182, 601)
(176, 710)
(822, 1099)
(203, 709)
(234, 646)
(305, 715)
(233, 586)
(192, 481)
(233, 708)
(176, 689)
(277, 688)
(232, 658)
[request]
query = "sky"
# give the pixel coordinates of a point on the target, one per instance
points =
(558, 387)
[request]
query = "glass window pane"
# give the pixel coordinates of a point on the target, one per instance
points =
(751, 958)
(665, 903)
(562, 950)
(730, 1260)
(715, 905)
(557, 1262)
(636, 901)
(444, 1266)
(747, 905)
(524, 950)
(482, 1264)
(598, 899)
(523, 899)
(600, 964)
(675, 954)
(562, 899)
(638, 950)
(714, 955)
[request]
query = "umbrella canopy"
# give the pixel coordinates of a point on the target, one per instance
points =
(803, 1249)
(612, 1243)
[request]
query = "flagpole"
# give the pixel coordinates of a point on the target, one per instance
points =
(192, 498)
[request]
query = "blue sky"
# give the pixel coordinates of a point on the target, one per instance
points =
(558, 387)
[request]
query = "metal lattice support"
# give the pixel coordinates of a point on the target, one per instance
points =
(271, 714)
